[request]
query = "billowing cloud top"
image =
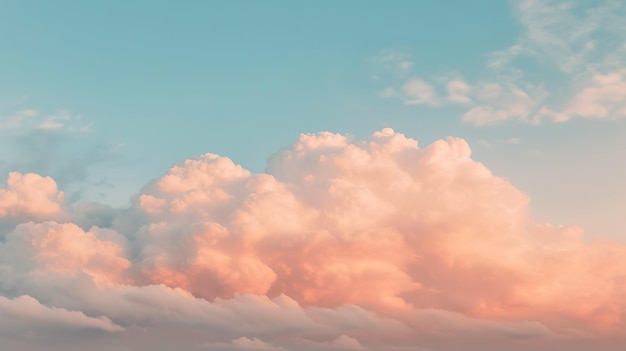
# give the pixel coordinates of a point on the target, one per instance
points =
(343, 244)
(30, 195)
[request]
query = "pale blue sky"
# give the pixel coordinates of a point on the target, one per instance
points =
(105, 96)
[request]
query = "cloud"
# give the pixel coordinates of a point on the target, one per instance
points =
(30, 119)
(340, 343)
(578, 53)
(575, 36)
(42, 151)
(344, 243)
(25, 313)
(244, 343)
(604, 97)
(11, 122)
(31, 196)
(417, 92)
(450, 323)
(28, 113)
(396, 62)
(17, 119)
(490, 143)
(502, 102)
(586, 43)
(66, 249)
(458, 91)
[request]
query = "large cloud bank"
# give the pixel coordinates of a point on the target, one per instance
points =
(343, 244)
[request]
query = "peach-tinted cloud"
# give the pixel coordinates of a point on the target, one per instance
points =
(30, 195)
(65, 249)
(342, 244)
(377, 222)
(417, 92)
(603, 98)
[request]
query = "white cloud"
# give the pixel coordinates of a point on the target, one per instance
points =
(30, 119)
(603, 97)
(458, 91)
(394, 61)
(418, 92)
(576, 36)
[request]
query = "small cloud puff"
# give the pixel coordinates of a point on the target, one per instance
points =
(30, 196)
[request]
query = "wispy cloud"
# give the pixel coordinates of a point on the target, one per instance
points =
(604, 96)
(497, 102)
(39, 142)
(418, 92)
(29, 119)
(584, 41)
(458, 92)
(395, 62)
(491, 143)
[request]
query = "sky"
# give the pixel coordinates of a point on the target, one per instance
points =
(351, 175)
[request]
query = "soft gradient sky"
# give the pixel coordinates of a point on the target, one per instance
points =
(338, 114)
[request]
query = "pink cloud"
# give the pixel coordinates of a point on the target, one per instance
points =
(379, 222)
(343, 244)
(603, 97)
(30, 195)
(65, 249)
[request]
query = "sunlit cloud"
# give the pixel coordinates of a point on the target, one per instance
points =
(344, 244)
(583, 42)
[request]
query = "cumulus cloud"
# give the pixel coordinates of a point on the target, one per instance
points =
(65, 248)
(343, 244)
(25, 313)
(30, 195)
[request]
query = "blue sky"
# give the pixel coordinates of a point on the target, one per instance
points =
(144, 85)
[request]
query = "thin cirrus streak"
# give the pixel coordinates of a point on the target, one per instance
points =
(343, 244)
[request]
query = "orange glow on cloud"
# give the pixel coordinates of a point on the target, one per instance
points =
(413, 241)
